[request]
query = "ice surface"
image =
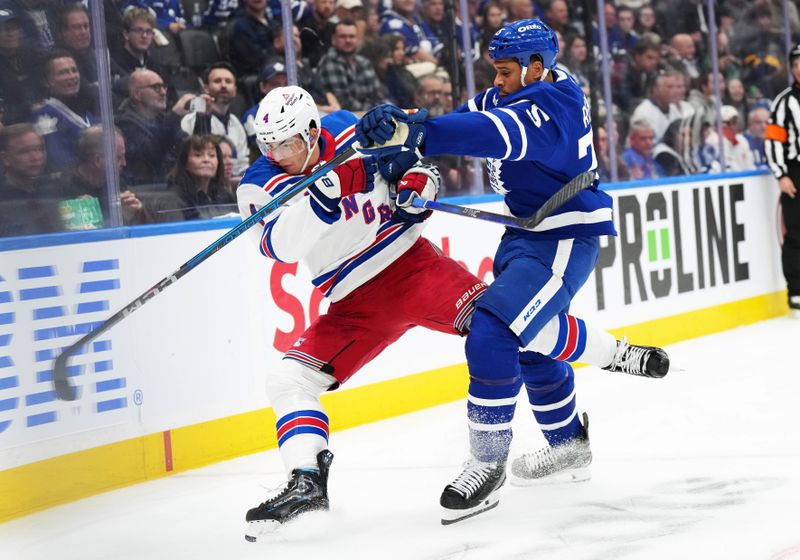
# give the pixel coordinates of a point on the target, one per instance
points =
(703, 464)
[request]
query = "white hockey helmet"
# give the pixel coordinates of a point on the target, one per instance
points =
(283, 113)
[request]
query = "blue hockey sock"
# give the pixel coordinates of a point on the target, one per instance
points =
(493, 358)
(550, 385)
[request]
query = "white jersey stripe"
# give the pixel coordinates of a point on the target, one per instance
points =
(502, 130)
(546, 293)
(524, 148)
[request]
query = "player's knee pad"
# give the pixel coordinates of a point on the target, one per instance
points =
(492, 349)
(291, 385)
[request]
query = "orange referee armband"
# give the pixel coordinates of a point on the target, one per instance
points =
(775, 132)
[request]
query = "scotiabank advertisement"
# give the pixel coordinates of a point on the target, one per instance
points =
(201, 349)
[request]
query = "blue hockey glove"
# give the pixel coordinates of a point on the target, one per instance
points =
(392, 166)
(409, 134)
(377, 124)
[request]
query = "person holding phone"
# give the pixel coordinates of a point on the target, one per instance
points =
(211, 114)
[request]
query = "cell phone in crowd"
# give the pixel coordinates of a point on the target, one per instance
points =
(198, 105)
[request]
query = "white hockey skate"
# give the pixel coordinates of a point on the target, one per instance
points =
(475, 490)
(568, 462)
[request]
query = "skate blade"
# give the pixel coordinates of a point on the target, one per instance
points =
(450, 516)
(565, 477)
(259, 529)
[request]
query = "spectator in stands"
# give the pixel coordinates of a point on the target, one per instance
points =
(219, 88)
(74, 34)
(403, 19)
(138, 28)
(17, 86)
(68, 109)
(196, 183)
(702, 95)
(320, 22)
(169, 13)
(576, 60)
(660, 108)
(757, 120)
(683, 54)
(623, 38)
(647, 22)
(227, 149)
(87, 179)
(492, 19)
(738, 156)
(273, 75)
(432, 20)
(639, 73)
(556, 15)
(762, 53)
(219, 12)
(429, 94)
(28, 197)
(251, 41)
(603, 150)
(347, 74)
(355, 11)
(391, 68)
(151, 133)
(37, 20)
(668, 152)
(638, 156)
(309, 79)
(735, 96)
(519, 9)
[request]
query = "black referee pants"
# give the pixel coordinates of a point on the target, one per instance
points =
(790, 254)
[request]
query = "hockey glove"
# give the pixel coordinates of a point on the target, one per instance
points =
(393, 166)
(408, 135)
(353, 176)
(423, 181)
(377, 124)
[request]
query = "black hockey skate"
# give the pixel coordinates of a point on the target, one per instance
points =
(568, 462)
(647, 361)
(306, 491)
(475, 490)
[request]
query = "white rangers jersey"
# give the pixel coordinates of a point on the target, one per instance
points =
(344, 254)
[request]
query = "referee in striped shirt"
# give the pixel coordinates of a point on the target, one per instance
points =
(782, 147)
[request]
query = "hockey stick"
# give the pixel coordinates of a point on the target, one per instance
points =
(564, 194)
(66, 391)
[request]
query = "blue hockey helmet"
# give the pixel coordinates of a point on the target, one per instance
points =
(522, 39)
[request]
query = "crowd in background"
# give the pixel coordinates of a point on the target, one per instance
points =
(184, 80)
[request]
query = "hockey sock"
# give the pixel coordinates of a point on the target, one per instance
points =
(550, 385)
(568, 338)
(492, 355)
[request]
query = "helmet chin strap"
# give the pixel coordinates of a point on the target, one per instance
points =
(525, 72)
(310, 150)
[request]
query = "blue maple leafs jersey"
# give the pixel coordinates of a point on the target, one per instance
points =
(535, 141)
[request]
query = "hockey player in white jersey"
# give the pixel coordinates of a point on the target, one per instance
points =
(534, 128)
(359, 242)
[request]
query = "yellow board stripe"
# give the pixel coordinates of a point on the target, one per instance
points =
(67, 478)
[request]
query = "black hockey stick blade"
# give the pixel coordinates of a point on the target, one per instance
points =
(68, 392)
(564, 194)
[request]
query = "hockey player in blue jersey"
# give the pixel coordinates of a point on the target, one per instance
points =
(534, 128)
